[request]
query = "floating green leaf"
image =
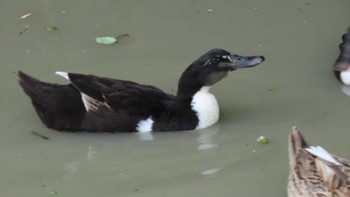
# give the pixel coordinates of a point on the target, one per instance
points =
(106, 40)
(262, 140)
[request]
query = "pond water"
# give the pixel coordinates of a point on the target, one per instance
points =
(294, 86)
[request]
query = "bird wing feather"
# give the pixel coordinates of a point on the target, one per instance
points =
(116, 94)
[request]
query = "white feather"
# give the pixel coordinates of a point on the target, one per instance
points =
(206, 106)
(62, 74)
(145, 125)
(322, 153)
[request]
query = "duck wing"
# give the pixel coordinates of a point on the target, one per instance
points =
(136, 99)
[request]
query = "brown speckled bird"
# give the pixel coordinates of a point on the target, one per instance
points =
(314, 172)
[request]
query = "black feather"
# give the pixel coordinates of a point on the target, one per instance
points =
(58, 106)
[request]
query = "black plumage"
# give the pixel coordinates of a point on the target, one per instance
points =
(100, 104)
(58, 106)
(342, 64)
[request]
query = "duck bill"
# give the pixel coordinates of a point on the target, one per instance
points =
(245, 62)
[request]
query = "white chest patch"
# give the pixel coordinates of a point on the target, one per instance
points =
(206, 106)
(345, 76)
(145, 125)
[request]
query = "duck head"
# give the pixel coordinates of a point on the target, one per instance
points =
(343, 61)
(212, 67)
(342, 64)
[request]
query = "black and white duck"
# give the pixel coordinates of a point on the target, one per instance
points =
(342, 64)
(99, 104)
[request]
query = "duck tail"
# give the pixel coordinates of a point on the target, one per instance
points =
(59, 106)
(33, 87)
(296, 142)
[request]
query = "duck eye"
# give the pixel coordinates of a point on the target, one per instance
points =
(226, 57)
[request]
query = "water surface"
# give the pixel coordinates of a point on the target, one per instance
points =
(294, 86)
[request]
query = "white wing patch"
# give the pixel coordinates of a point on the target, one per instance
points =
(62, 74)
(206, 106)
(322, 153)
(90, 103)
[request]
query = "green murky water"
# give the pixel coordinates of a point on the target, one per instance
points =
(294, 86)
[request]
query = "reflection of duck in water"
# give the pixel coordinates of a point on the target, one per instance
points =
(342, 64)
(314, 172)
(96, 104)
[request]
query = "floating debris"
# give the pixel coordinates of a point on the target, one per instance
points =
(262, 140)
(40, 135)
(209, 10)
(121, 38)
(111, 39)
(24, 30)
(205, 10)
(210, 171)
(106, 40)
(51, 28)
(26, 15)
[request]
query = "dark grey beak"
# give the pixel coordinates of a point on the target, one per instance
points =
(245, 62)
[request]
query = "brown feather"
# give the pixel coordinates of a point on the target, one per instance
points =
(312, 176)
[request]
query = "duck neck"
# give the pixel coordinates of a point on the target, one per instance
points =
(187, 86)
(205, 105)
(193, 96)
